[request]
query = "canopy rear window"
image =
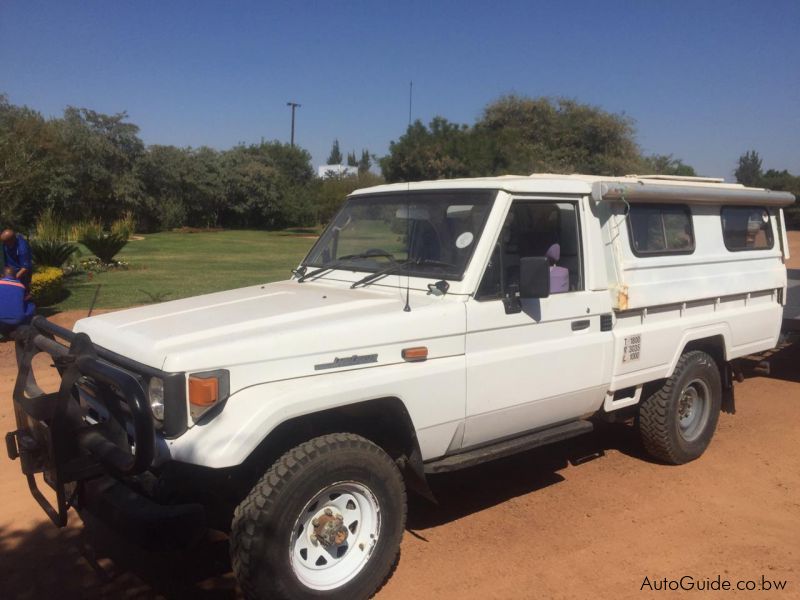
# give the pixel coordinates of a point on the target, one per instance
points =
(746, 228)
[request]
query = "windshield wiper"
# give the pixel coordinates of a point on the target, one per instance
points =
(396, 266)
(342, 260)
(385, 271)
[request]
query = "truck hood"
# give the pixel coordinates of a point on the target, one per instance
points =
(308, 324)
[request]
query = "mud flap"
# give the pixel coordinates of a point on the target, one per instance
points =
(728, 401)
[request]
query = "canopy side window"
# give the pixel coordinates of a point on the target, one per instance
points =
(660, 229)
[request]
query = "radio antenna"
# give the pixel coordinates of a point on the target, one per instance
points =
(407, 307)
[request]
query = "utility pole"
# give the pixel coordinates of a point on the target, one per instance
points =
(410, 96)
(294, 105)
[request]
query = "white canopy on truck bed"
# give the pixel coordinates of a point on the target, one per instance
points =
(639, 188)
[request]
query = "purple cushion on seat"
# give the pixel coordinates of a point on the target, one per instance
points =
(559, 276)
(559, 280)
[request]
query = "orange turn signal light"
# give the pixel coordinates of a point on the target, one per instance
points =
(415, 354)
(203, 391)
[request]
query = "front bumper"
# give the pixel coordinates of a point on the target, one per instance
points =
(139, 519)
(91, 465)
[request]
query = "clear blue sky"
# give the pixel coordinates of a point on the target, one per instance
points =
(703, 80)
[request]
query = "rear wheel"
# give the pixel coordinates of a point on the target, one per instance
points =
(677, 422)
(324, 522)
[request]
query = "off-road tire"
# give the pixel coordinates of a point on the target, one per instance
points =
(659, 414)
(264, 522)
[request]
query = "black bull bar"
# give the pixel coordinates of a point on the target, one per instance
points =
(53, 435)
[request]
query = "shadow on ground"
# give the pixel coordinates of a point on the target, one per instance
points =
(92, 563)
(47, 562)
(781, 363)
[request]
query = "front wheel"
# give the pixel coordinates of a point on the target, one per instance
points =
(677, 422)
(324, 522)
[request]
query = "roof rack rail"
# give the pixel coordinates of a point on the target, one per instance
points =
(680, 178)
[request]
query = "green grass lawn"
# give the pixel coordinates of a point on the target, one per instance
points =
(168, 266)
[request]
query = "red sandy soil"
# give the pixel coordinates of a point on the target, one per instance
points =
(794, 250)
(585, 518)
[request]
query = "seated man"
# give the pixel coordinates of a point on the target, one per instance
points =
(559, 276)
(15, 309)
(17, 254)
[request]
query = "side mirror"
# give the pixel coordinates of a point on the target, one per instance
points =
(534, 277)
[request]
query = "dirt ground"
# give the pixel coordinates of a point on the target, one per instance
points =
(591, 517)
(794, 250)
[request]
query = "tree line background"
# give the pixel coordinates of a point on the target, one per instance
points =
(89, 166)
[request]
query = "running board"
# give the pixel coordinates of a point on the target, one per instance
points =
(476, 456)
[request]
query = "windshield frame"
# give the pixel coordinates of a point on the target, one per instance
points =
(489, 197)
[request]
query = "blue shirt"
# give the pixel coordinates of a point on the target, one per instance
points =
(18, 255)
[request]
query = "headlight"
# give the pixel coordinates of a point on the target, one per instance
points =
(155, 393)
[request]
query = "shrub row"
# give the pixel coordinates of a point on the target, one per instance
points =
(47, 285)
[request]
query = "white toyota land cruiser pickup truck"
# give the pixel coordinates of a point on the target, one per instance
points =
(432, 326)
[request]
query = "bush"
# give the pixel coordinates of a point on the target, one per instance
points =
(76, 230)
(333, 191)
(792, 216)
(51, 253)
(104, 245)
(171, 214)
(125, 226)
(47, 286)
(50, 227)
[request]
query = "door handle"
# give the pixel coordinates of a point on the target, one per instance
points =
(582, 324)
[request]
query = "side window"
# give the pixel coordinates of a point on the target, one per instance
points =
(657, 229)
(746, 228)
(536, 229)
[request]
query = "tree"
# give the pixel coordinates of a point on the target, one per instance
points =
(29, 152)
(331, 192)
(365, 162)
(335, 157)
(557, 135)
(665, 164)
(352, 161)
(204, 200)
(783, 181)
(267, 185)
(163, 172)
(433, 152)
(88, 166)
(749, 170)
(95, 176)
(517, 135)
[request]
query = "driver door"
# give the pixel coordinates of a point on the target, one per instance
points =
(547, 363)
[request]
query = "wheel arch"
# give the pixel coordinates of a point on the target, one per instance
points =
(385, 421)
(712, 340)
(715, 345)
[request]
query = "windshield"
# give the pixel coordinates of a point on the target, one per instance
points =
(432, 234)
